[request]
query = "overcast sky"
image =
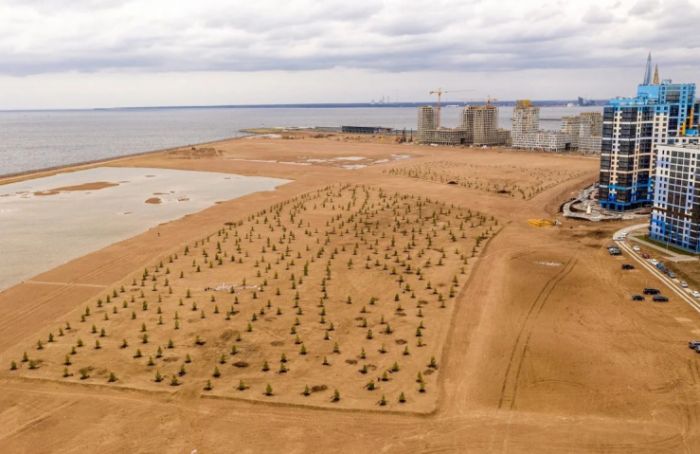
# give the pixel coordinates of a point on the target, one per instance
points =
(103, 53)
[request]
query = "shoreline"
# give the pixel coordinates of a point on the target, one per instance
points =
(24, 175)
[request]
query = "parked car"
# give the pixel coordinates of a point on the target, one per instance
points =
(695, 294)
(614, 251)
(654, 262)
(671, 274)
(627, 266)
(651, 291)
(684, 284)
(693, 344)
(660, 299)
(645, 255)
(636, 248)
(637, 298)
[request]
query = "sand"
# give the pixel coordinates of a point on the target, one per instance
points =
(92, 186)
(540, 349)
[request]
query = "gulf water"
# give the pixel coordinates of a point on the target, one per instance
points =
(32, 140)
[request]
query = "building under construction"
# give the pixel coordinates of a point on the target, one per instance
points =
(478, 126)
(582, 132)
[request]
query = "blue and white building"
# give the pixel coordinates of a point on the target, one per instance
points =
(675, 215)
(661, 113)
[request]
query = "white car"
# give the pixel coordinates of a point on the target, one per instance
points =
(696, 294)
(636, 248)
(654, 262)
(684, 284)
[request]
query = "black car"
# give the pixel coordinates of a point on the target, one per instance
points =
(660, 299)
(637, 298)
(627, 266)
(693, 344)
(651, 291)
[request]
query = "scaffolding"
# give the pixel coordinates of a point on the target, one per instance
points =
(478, 126)
(581, 132)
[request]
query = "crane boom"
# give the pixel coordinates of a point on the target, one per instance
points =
(438, 105)
(439, 93)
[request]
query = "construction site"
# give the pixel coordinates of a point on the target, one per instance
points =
(478, 125)
(578, 132)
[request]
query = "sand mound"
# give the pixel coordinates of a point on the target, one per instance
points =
(196, 153)
(97, 185)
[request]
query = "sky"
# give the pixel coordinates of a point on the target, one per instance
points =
(114, 53)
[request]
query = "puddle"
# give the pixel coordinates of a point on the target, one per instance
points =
(40, 233)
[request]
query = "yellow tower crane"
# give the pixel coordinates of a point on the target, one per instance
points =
(438, 105)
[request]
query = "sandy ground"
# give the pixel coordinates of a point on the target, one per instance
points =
(97, 185)
(539, 350)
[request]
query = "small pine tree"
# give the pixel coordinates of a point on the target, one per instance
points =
(268, 390)
(433, 363)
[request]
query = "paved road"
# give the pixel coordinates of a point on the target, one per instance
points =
(673, 286)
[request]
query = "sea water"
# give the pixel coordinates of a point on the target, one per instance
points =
(31, 140)
(40, 232)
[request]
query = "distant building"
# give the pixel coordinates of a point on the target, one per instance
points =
(366, 130)
(526, 132)
(426, 122)
(571, 125)
(478, 126)
(675, 215)
(585, 131)
(526, 121)
(661, 113)
(481, 125)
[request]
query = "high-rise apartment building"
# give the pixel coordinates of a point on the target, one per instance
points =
(661, 113)
(481, 124)
(426, 122)
(526, 121)
(675, 215)
(478, 126)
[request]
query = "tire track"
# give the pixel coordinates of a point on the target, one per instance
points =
(510, 382)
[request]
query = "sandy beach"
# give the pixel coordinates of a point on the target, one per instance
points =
(389, 298)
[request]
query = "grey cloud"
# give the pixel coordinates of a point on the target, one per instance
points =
(303, 34)
(644, 7)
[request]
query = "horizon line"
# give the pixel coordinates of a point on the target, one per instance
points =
(545, 102)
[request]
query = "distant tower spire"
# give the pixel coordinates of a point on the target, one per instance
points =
(656, 80)
(647, 72)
